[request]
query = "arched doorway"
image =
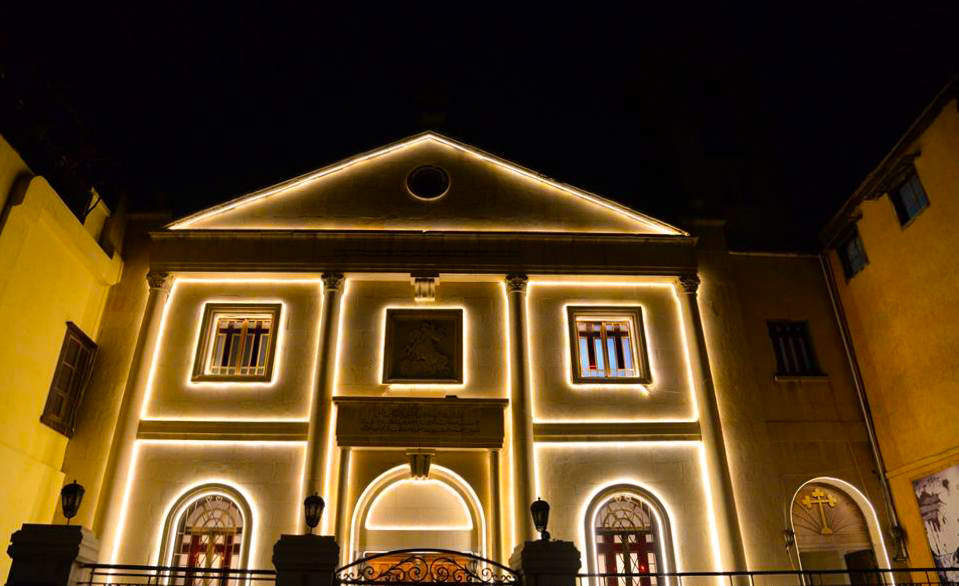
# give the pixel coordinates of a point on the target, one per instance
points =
(397, 511)
(627, 532)
(835, 528)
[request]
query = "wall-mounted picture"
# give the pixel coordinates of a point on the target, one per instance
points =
(423, 346)
(938, 496)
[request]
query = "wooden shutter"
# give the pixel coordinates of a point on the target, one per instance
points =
(69, 381)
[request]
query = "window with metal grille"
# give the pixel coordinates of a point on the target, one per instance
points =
(793, 348)
(852, 254)
(607, 345)
(209, 535)
(238, 342)
(70, 380)
(627, 542)
(909, 198)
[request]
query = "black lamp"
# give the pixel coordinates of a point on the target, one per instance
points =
(71, 496)
(313, 506)
(540, 512)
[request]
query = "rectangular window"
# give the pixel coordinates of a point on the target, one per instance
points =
(237, 343)
(608, 345)
(793, 348)
(852, 254)
(909, 198)
(69, 381)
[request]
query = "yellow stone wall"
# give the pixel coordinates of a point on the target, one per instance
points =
(901, 314)
(51, 271)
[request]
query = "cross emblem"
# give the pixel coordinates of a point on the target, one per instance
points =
(823, 499)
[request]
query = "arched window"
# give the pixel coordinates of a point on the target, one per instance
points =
(626, 537)
(207, 528)
(628, 534)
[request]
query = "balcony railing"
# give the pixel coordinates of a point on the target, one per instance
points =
(128, 575)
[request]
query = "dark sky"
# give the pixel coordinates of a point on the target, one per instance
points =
(766, 114)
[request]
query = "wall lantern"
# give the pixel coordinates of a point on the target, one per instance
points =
(313, 507)
(71, 496)
(540, 512)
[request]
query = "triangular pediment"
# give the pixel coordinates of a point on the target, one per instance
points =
(370, 192)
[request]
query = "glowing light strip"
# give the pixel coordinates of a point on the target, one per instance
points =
(872, 519)
(403, 469)
(553, 282)
(424, 526)
(704, 475)
(132, 474)
(277, 358)
(654, 224)
(331, 416)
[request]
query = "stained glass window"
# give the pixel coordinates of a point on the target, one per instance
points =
(238, 343)
(209, 536)
(608, 346)
(627, 542)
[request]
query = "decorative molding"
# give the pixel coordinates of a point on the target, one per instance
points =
(407, 252)
(291, 431)
(332, 281)
(426, 423)
(424, 287)
(689, 282)
(516, 282)
(619, 431)
(420, 461)
(159, 280)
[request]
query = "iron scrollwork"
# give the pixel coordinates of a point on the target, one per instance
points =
(426, 566)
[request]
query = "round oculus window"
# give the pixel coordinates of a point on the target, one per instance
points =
(428, 182)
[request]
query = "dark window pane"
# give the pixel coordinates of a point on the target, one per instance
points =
(909, 199)
(793, 349)
(852, 254)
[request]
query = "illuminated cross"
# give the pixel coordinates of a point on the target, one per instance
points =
(821, 498)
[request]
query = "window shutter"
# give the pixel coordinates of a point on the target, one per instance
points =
(69, 381)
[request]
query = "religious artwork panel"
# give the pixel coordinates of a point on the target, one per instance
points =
(828, 522)
(423, 346)
(939, 506)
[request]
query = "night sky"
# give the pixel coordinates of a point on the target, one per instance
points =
(768, 115)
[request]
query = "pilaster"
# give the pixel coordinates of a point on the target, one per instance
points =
(724, 502)
(520, 405)
(322, 405)
(107, 519)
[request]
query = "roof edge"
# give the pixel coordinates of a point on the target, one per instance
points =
(834, 227)
(184, 223)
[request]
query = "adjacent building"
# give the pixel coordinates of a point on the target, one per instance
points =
(56, 272)
(892, 263)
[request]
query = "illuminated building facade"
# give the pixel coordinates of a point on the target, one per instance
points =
(431, 337)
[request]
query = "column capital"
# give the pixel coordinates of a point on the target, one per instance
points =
(159, 280)
(332, 281)
(689, 283)
(516, 282)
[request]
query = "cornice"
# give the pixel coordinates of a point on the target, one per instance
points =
(408, 251)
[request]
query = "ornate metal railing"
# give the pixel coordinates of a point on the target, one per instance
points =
(423, 566)
(894, 577)
(129, 575)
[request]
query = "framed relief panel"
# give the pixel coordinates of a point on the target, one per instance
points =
(237, 342)
(423, 346)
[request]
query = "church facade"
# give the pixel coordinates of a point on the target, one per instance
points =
(430, 338)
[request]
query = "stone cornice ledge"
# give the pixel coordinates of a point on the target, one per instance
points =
(564, 431)
(291, 431)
